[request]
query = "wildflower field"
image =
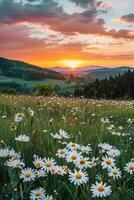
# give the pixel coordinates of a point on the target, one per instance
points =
(66, 149)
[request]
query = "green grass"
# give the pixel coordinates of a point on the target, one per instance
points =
(31, 84)
(76, 118)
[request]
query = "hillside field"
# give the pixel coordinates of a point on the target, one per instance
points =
(66, 149)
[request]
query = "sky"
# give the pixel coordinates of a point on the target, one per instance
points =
(73, 33)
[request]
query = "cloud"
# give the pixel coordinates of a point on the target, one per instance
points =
(84, 3)
(13, 12)
(127, 19)
(48, 12)
(17, 37)
(123, 33)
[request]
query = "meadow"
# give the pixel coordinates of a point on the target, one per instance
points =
(73, 149)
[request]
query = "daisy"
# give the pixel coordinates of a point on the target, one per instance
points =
(31, 112)
(19, 117)
(59, 170)
(38, 193)
(82, 163)
(27, 174)
(115, 173)
(105, 147)
(56, 136)
(129, 168)
(100, 190)
(73, 146)
(38, 162)
(78, 177)
(85, 149)
(22, 138)
(107, 162)
(4, 153)
(49, 197)
(48, 164)
(15, 163)
(13, 154)
(114, 152)
(63, 134)
(73, 156)
(61, 153)
(41, 173)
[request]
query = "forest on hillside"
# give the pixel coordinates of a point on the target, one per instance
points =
(121, 86)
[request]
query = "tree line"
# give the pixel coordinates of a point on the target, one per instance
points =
(121, 86)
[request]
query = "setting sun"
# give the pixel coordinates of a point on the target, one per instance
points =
(72, 63)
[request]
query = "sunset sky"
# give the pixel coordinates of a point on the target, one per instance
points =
(61, 32)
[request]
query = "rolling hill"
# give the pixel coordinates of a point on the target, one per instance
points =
(18, 69)
(94, 72)
(107, 72)
(23, 77)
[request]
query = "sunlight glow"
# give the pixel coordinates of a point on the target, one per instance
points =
(72, 63)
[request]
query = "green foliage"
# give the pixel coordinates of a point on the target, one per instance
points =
(81, 118)
(43, 90)
(121, 86)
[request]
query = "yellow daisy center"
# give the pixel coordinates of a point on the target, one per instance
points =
(48, 164)
(37, 164)
(37, 194)
(73, 145)
(78, 175)
(74, 157)
(101, 188)
(59, 171)
(62, 151)
(115, 172)
(109, 162)
(82, 162)
(28, 174)
(17, 164)
(131, 167)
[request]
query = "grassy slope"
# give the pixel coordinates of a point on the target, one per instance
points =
(78, 119)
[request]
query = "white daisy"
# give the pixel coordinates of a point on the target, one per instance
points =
(61, 153)
(5, 153)
(129, 168)
(58, 170)
(22, 138)
(38, 162)
(73, 146)
(38, 193)
(105, 147)
(114, 152)
(31, 112)
(115, 173)
(100, 190)
(49, 197)
(56, 136)
(85, 149)
(63, 134)
(41, 173)
(19, 117)
(48, 164)
(107, 162)
(78, 177)
(15, 163)
(27, 174)
(73, 156)
(82, 163)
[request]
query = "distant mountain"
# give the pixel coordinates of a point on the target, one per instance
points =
(105, 72)
(22, 70)
(79, 71)
(94, 71)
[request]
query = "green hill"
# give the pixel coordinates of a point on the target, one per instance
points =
(22, 77)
